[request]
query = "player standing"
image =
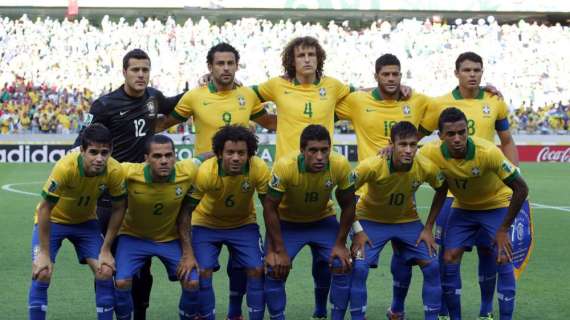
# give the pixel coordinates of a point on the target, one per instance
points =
(489, 192)
(299, 211)
(223, 213)
(67, 211)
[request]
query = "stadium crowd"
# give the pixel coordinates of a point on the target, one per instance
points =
(52, 70)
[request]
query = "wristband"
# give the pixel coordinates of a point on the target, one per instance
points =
(356, 227)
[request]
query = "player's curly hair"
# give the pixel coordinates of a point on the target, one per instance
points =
(288, 55)
(403, 129)
(234, 133)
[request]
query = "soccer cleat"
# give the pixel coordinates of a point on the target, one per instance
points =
(443, 318)
(395, 315)
(489, 316)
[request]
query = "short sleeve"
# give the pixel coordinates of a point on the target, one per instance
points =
(343, 108)
(502, 122)
(262, 178)
(183, 109)
(434, 176)
(428, 124)
(278, 183)
(501, 166)
(363, 173)
(52, 188)
(345, 179)
(116, 182)
(264, 91)
(258, 109)
(96, 114)
(200, 185)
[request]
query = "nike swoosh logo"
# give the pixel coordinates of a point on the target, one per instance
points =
(137, 192)
(206, 103)
(123, 113)
(370, 110)
(287, 92)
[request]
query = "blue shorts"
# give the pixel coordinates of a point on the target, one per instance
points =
(441, 221)
(319, 235)
(85, 237)
(466, 228)
(244, 244)
(404, 234)
(133, 252)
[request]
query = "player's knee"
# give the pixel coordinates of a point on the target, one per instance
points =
(105, 273)
(191, 285)
(452, 256)
(206, 273)
(336, 267)
(44, 276)
(360, 270)
(124, 284)
(485, 251)
(255, 272)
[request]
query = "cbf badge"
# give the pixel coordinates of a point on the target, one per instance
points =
(151, 107)
(522, 238)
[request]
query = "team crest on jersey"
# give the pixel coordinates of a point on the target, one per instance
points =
(274, 183)
(475, 171)
(178, 191)
(102, 187)
(415, 185)
(328, 184)
(52, 186)
(241, 101)
(323, 93)
(407, 110)
(486, 110)
(151, 106)
(245, 186)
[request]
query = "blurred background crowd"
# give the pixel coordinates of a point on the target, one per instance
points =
(51, 70)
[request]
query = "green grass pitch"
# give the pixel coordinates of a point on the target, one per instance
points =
(542, 291)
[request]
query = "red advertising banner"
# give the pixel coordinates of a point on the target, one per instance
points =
(544, 153)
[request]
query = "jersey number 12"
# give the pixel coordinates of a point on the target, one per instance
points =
(139, 127)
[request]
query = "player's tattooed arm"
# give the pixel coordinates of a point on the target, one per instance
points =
(188, 260)
(502, 239)
(436, 204)
(347, 205)
(43, 261)
(117, 215)
(277, 260)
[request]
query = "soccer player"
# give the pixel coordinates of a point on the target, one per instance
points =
(129, 112)
(486, 115)
(298, 211)
(221, 103)
(223, 213)
(156, 224)
(489, 192)
(67, 211)
(387, 212)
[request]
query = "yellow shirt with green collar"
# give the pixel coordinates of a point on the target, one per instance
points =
(154, 206)
(227, 201)
(478, 182)
(75, 194)
(306, 196)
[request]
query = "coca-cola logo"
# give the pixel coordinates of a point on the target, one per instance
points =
(551, 154)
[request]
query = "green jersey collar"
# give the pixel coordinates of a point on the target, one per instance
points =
(316, 82)
(148, 175)
(82, 169)
(457, 94)
(470, 150)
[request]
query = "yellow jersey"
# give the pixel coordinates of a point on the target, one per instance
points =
(478, 182)
(226, 201)
(373, 117)
(390, 196)
(299, 105)
(485, 114)
(74, 194)
(212, 109)
(154, 206)
(306, 196)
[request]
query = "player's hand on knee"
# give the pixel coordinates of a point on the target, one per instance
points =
(504, 248)
(42, 267)
(278, 264)
(186, 267)
(107, 260)
(104, 272)
(340, 253)
(427, 236)
(359, 241)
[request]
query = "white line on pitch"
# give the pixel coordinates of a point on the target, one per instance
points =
(8, 187)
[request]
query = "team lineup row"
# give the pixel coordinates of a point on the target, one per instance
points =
(303, 96)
